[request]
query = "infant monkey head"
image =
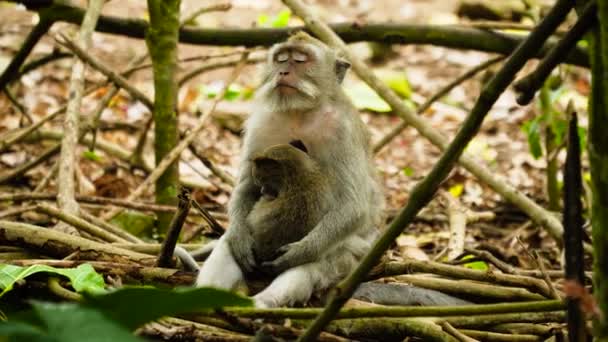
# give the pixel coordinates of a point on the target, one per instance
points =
(301, 73)
(280, 166)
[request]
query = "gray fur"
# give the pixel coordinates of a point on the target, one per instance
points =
(322, 117)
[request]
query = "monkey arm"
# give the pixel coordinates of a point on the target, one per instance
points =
(334, 227)
(239, 236)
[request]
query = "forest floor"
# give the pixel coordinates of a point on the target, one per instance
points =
(502, 143)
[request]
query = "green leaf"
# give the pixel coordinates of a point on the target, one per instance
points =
(91, 155)
(134, 306)
(135, 222)
(582, 138)
(263, 19)
(408, 171)
(233, 92)
(71, 322)
(476, 265)
(456, 190)
(364, 97)
(282, 19)
(21, 331)
(532, 130)
(83, 278)
(559, 128)
(397, 81)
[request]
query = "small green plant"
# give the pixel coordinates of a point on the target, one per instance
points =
(278, 21)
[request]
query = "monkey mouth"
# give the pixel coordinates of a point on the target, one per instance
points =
(285, 85)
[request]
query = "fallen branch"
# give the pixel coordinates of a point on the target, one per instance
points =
(458, 37)
(55, 243)
(41, 28)
(80, 224)
(457, 272)
(129, 271)
(66, 186)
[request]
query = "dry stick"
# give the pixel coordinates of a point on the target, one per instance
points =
(470, 288)
(501, 25)
(458, 224)
(573, 232)
(58, 244)
(459, 37)
(141, 273)
(26, 47)
(81, 224)
(228, 179)
(109, 227)
(67, 159)
(183, 144)
(16, 211)
(403, 311)
(28, 130)
(509, 269)
(56, 54)
(492, 336)
(47, 178)
(29, 196)
(136, 156)
(438, 95)
(165, 257)
(453, 331)
(114, 89)
(154, 248)
(458, 272)
(215, 226)
(23, 168)
(546, 278)
(528, 85)
(215, 65)
(20, 107)
(221, 7)
(49, 152)
(107, 71)
(424, 190)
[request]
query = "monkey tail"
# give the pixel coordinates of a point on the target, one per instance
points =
(402, 294)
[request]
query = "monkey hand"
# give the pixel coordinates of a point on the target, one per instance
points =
(242, 250)
(289, 256)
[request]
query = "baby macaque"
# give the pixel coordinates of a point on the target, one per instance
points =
(294, 198)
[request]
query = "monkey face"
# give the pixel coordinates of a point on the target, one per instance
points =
(300, 73)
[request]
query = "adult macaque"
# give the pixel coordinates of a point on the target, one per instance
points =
(301, 99)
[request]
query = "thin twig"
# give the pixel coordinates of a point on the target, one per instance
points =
(528, 85)
(165, 256)
(119, 80)
(221, 7)
(225, 177)
(20, 107)
(438, 95)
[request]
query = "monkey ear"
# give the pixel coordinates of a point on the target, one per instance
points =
(341, 68)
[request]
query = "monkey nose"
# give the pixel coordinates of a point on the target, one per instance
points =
(284, 73)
